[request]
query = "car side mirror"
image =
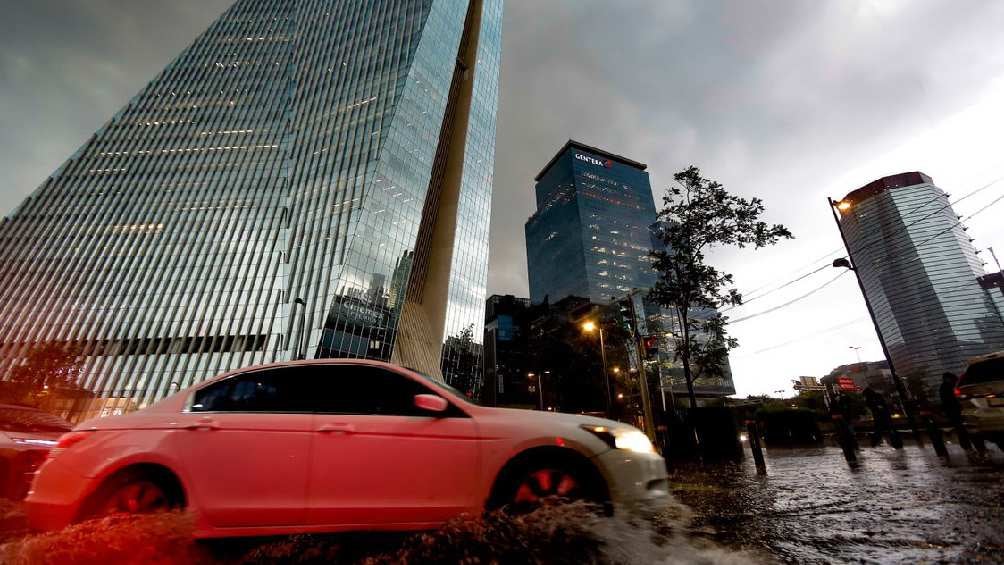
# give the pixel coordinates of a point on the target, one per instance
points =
(431, 403)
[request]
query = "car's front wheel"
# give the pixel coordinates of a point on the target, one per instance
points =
(547, 482)
(531, 484)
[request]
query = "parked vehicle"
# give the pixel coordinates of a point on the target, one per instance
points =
(981, 390)
(330, 445)
(26, 436)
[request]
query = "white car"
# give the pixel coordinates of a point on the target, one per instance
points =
(981, 392)
(330, 445)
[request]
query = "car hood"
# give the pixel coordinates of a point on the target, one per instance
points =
(552, 418)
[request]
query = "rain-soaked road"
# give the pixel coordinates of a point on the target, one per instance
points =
(904, 506)
(898, 506)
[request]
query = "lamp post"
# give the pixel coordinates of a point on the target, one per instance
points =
(847, 263)
(590, 327)
(857, 351)
(540, 387)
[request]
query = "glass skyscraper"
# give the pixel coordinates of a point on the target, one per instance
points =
(920, 273)
(590, 235)
(307, 179)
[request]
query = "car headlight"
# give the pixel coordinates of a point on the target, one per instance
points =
(629, 439)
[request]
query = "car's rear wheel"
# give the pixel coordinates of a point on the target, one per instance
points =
(135, 492)
(137, 497)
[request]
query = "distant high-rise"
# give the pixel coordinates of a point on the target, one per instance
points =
(920, 271)
(307, 178)
(590, 235)
(506, 355)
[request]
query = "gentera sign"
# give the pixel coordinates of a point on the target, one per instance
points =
(608, 163)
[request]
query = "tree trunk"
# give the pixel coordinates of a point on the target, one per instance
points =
(685, 357)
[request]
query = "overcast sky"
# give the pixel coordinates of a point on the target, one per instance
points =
(788, 100)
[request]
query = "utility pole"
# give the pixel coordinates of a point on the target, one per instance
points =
(303, 328)
(994, 255)
(588, 327)
(646, 400)
(999, 270)
(900, 387)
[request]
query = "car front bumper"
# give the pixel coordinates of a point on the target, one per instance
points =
(635, 480)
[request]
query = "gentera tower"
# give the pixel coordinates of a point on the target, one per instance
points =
(307, 179)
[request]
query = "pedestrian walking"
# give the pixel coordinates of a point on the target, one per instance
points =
(882, 417)
(844, 409)
(952, 409)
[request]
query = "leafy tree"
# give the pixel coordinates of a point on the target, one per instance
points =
(699, 214)
(48, 368)
(461, 362)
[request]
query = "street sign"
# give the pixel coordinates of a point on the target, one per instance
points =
(847, 384)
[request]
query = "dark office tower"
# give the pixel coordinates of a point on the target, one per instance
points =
(308, 178)
(590, 234)
(920, 271)
(506, 365)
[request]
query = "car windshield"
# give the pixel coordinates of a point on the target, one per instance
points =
(15, 419)
(985, 371)
(438, 382)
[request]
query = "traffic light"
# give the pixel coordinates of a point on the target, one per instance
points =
(651, 345)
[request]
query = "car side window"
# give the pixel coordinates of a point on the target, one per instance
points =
(279, 390)
(359, 389)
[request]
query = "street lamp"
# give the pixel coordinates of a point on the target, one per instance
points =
(540, 386)
(590, 326)
(857, 351)
(847, 263)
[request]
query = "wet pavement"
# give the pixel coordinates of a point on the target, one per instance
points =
(905, 506)
(898, 506)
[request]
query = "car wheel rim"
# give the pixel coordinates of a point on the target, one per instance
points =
(140, 497)
(545, 483)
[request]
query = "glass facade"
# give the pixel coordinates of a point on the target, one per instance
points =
(920, 271)
(590, 235)
(664, 324)
(263, 199)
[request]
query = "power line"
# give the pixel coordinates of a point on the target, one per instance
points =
(795, 270)
(867, 245)
(918, 220)
(808, 336)
(957, 223)
(789, 283)
(790, 302)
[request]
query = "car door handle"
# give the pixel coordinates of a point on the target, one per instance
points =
(203, 424)
(337, 428)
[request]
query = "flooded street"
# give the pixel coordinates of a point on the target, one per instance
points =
(904, 506)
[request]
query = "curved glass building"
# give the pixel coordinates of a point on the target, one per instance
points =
(920, 273)
(307, 179)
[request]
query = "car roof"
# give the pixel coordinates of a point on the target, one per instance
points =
(987, 357)
(298, 363)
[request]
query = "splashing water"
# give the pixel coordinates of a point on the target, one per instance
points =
(554, 534)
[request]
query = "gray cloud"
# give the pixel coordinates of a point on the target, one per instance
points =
(67, 65)
(773, 97)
